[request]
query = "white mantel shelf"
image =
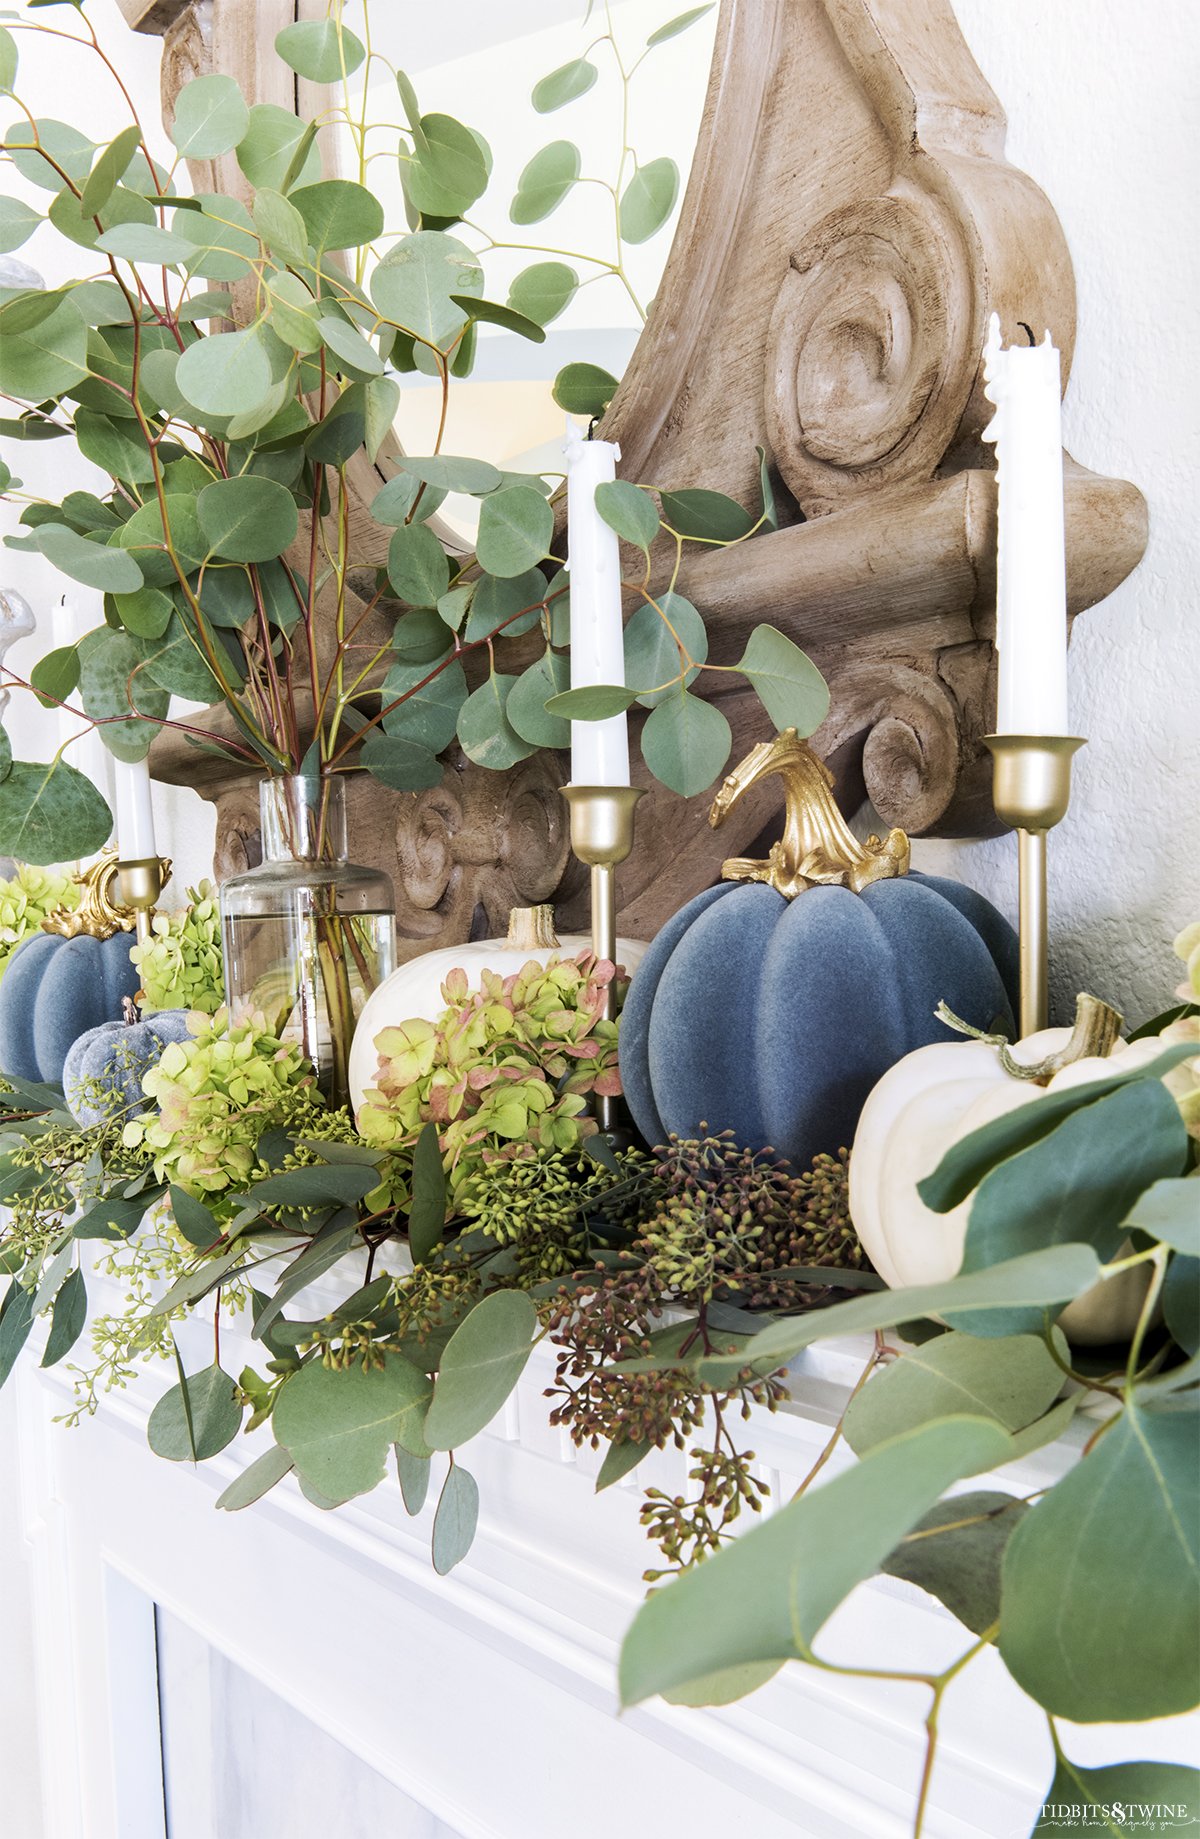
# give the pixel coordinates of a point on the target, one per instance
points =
(489, 1696)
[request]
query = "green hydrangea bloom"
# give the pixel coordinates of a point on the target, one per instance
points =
(504, 1072)
(216, 1095)
(181, 966)
(25, 901)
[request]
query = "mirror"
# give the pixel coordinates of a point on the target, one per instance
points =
(612, 92)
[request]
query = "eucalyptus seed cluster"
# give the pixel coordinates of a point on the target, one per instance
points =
(727, 1219)
(549, 1209)
(434, 1294)
(597, 1327)
(687, 1530)
(346, 1345)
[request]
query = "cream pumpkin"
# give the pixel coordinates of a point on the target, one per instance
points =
(415, 988)
(928, 1102)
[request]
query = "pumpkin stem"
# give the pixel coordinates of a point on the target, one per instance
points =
(531, 929)
(131, 1015)
(817, 848)
(1095, 1033)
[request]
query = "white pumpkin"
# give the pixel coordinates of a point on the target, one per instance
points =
(928, 1102)
(415, 988)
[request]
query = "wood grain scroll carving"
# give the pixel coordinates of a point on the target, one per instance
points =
(849, 223)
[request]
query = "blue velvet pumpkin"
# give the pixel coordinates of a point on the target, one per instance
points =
(774, 1018)
(102, 1073)
(53, 991)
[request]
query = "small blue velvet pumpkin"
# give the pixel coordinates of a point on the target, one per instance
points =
(53, 991)
(102, 1073)
(774, 1018)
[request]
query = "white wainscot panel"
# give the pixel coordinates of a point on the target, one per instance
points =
(318, 1679)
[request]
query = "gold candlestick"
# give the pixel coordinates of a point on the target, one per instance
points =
(142, 882)
(1031, 789)
(602, 835)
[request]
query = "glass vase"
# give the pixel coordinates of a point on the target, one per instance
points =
(308, 935)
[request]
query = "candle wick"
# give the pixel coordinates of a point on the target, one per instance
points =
(592, 426)
(1027, 329)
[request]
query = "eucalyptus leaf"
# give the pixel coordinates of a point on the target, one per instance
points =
(448, 169)
(413, 1474)
(414, 283)
(211, 117)
(262, 1475)
(648, 200)
(487, 736)
(766, 1596)
(516, 528)
(456, 1519)
(273, 137)
(544, 290)
(320, 50)
(247, 519)
(195, 1419)
(1046, 1278)
(51, 813)
(339, 1425)
(428, 718)
(226, 372)
(49, 359)
(482, 1362)
(686, 743)
(144, 242)
(395, 500)
(1169, 1210)
(193, 1219)
(110, 163)
(564, 85)
(1081, 1182)
(115, 445)
(506, 605)
(1013, 1381)
(545, 182)
(496, 315)
(338, 214)
(620, 1459)
(786, 681)
(118, 693)
(955, 1553)
(1101, 1617)
(418, 567)
(18, 221)
(450, 473)
(1181, 1302)
(16, 1320)
(146, 613)
(427, 1209)
(67, 1320)
(653, 637)
(591, 702)
(55, 675)
(706, 516)
(355, 354)
(94, 564)
(630, 511)
(584, 389)
(1124, 1798)
(526, 707)
(319, 1186)
(404, 765)
(680, 23)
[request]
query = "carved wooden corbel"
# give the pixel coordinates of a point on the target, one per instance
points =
(849, 223)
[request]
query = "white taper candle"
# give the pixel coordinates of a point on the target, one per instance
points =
(599, 750)
(1025, 384)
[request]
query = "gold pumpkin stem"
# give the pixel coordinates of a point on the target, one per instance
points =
(817, 848)
(531, 929)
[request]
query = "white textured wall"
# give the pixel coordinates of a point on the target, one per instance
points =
(1101, 101)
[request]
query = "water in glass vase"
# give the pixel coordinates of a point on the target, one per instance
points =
(308, 935)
